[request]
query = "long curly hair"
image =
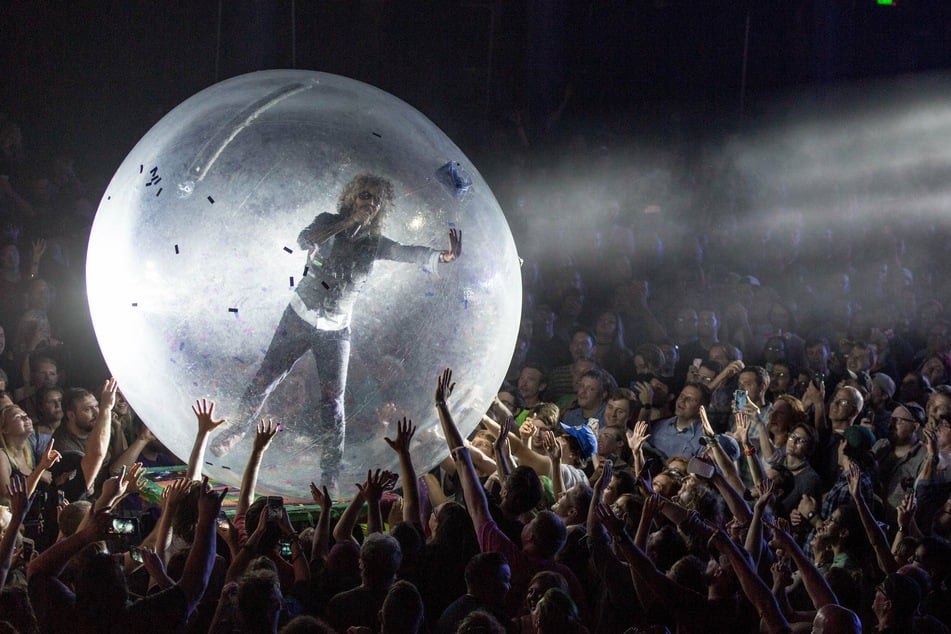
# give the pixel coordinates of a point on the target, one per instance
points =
(360, 183)
(24, 452)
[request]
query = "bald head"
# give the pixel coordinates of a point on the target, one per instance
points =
(834, 619)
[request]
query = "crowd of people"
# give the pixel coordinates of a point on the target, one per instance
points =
(704, 427)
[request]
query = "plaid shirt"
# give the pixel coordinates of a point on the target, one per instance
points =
(839, 494)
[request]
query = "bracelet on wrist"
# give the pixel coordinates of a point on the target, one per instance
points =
(810, 515)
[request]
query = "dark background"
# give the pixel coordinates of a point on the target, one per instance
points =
(89, 78)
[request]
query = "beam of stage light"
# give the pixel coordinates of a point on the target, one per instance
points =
(873, 150)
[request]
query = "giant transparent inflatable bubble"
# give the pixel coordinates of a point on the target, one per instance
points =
(197, 255)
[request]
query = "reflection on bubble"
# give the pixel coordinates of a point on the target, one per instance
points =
(194, 256)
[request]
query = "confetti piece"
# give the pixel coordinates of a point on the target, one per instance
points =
(208, 463)
(224, 466)
(292, 281)
(141, 167)
(108, 197)
(280, 427)
(325, 285)
(176, 249)
(158, 193)
(134, 304)
(430, 294)
(306, 268)
(181, 346)
(211, 200)
(232, 310)
(377, 135)
(288, 249)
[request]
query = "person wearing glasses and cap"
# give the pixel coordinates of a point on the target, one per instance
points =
(342, 249)
(900, 456)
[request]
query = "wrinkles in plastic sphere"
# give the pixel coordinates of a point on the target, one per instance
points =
(194, 257)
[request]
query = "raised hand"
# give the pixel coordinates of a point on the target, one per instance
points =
(854, 478)
(653, 506)
(404, 434)
(114, 488)
(781, 540)
(766, 489)
(39, 248)
(204, 411)
(501, 443)
(742, 427)
(603, 480)
(526, 431)
(49, 457)
(612, 522)
(321, 496)
(705, 422)
(782, 574)
(906, 510)
(19, 500)
(266, 430)
(376, 483)
(444, 386)
(455, 247)
(174, 493)
(209, 501)
(551, 445)
(108, 398)
(152, 563)
(135, 478)
(637, 438)
(931, 440)
(645, 392)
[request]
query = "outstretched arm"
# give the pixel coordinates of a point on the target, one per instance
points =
(372, 490)
(755, 590)
(172, 496)
(204, 411)
(520, 444)
(201, 557)
(816, 585)
(404, 435)
(266, 429)
(97, 444)
(47, 459)
(321, 545)
(754, 536)
(343, 531)
(19, 507)
(876, 536)
(472, 490)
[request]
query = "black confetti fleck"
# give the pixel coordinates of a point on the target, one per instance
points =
(134, 304)
(232, 310)
(176, 249)
(378, 135)
(158, 193)
(306, 268)
(211, 200)
(325, 285)
(288, 249)
(292, 281)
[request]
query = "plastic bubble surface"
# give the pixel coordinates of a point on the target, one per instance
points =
(193, 257)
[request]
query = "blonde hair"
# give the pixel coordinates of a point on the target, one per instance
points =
(25, 452)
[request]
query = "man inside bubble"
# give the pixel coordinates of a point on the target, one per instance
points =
(342, 249)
